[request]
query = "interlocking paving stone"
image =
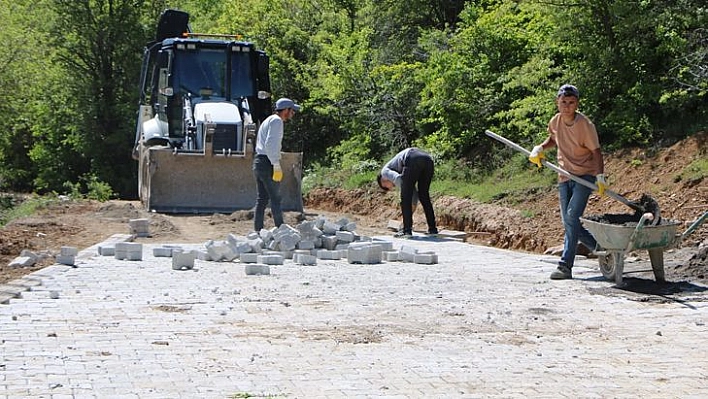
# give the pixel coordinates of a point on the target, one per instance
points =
(481, 323)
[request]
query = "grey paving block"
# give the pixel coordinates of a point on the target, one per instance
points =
(425, 258)
(329, 242)
(257, 270)
(22, 261)
(306, 244)
(221, 251)
(390, 256)
(162, 252)
(107, 250)
(394, 225)
(139, 227)
(182, 260)
(14, 290)
(203, 255)
(69, 260)
(385, 245)
(5, 298)
(68, 251)
(345, 236)
(31, 254)
(328, 254)
(271, 259)
(330, 228)
(364, 253)
(351, 226)
(304, 259)
(407, 253)
(250, 257)
(128, 251)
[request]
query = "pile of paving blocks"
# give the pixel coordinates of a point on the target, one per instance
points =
(67, 256)
(27, 258)
(303, 244)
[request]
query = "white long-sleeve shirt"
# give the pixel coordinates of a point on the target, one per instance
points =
(393, 169)
(270, 137)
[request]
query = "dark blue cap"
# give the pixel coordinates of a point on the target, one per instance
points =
(568, 90)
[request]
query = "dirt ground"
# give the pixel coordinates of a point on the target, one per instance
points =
(532, 225)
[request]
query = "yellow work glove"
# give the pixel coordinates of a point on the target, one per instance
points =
(537, 156)
(277, 172)
(601, 184)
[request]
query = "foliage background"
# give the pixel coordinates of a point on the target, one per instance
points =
(373, 77)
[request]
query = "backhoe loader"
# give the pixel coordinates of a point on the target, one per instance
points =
(202, 99)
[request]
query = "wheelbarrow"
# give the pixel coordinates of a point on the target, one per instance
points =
(621, 235)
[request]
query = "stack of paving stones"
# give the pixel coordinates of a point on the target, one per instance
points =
(67, 256)
(303, 244)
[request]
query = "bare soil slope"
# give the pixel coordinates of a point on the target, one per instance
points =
(532, 225)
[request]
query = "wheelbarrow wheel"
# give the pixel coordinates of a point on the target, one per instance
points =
(607, 266)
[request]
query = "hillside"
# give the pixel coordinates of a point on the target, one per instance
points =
(534, 225)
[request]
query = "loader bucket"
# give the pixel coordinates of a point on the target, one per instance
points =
(172, 182)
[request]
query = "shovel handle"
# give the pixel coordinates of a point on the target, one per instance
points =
(567, 174)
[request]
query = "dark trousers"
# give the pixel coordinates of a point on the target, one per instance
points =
(418, 170)
(267, 190)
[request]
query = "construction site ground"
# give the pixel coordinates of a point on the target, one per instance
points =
(485, 321)
(531, 225)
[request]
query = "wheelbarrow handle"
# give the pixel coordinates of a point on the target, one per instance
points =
(694, 225)
(567, 174)
(640, 226)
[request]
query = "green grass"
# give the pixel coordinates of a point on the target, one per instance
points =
(696, 170)
(15, 209)
(514, 181)
(512, 187)
(348, 179)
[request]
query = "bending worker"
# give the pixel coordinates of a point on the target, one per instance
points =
(407, 169)
(266, 163)
(579, 153)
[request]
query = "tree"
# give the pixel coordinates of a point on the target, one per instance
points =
(23, 69)
(98, 46)
(621, 52)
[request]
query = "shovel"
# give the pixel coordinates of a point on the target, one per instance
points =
(637, 207)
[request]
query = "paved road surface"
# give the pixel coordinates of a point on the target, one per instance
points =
(482, 323)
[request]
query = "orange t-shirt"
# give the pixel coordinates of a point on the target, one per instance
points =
(575, 144)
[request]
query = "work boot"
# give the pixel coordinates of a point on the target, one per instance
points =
(563, 272)
(432, 232)
(403, 234)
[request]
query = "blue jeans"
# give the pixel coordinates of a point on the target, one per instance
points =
(267, 189)
(573, 200)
